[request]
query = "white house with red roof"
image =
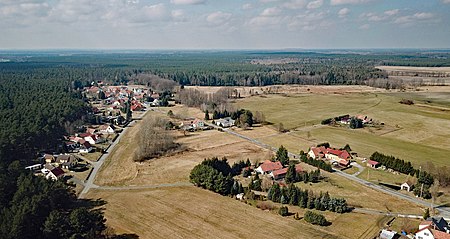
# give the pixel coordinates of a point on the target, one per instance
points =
(372, 164)
(268, 167)
(433, 228)
(281, 173)
(335, 155)
(106, 129)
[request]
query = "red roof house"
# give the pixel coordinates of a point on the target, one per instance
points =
(269, 166)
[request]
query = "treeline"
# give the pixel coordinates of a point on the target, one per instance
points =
(295, 196)
(424, 179)
(33, 207)
(316, 163)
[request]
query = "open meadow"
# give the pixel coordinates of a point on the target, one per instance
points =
(416, 133)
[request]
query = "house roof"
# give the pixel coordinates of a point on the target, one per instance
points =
(283, 171)
(385, 234)
(270, 166)
(57, 172)
(440, 223)
(372, 162)
(343, 154)
(319, 150)
(436, 233)
(196, 121)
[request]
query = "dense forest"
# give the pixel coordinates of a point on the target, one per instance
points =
(33, 207)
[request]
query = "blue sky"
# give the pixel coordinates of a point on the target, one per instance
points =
(224, 24)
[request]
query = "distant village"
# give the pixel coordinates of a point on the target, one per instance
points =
(111, 110)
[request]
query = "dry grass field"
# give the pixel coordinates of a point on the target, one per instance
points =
(246, 91)
(413, 132)
(415, 69)
(190, 212)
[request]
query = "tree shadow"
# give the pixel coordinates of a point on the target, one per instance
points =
(125, 236)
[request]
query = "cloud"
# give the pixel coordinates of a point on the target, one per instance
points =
(417, 17)
(309, 21)
(364, 27)
(446, 1)
(392, 12)
(218, 18)
(270, 12)
(188, 2)
(341, 2)
(295, 4)
(315, 4)
(247, 6)
(343, 12)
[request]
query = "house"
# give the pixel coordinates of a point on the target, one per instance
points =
(107, 129)
(430, 233)
(337, 155)
(92, 138)
(34, 167)
(268, 166)
(49, 158)
(55, 174)
(240, 196)
(137, 107)
(66, 161)
(340, 156)
(225, 122)
(372, 164)
(198, 124)
(281, 173)
(317, 152)
(91, 130)
(434, 228)
(407, 186)
(85, 147)
(386, 234)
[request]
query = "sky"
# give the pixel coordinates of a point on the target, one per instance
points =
(224, 24)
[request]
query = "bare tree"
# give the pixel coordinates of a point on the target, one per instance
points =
(153, 139)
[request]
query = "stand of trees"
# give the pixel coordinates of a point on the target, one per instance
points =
(215, 175)
(315, 218)
(295, 196)
(154, 139)
(316, 163)
(292, 176)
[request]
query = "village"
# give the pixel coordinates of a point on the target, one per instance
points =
(114, 107)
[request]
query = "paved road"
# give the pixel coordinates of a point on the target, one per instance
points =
(375, 212)
(97, 165)
(444, 211)
(360, 168)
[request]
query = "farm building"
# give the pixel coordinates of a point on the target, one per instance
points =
(268, 167)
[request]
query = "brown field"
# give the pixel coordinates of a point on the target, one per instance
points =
(289, 89)
(415, 69)
(189, 212)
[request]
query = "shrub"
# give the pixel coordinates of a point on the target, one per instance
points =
(283, 211)
(315, 218)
